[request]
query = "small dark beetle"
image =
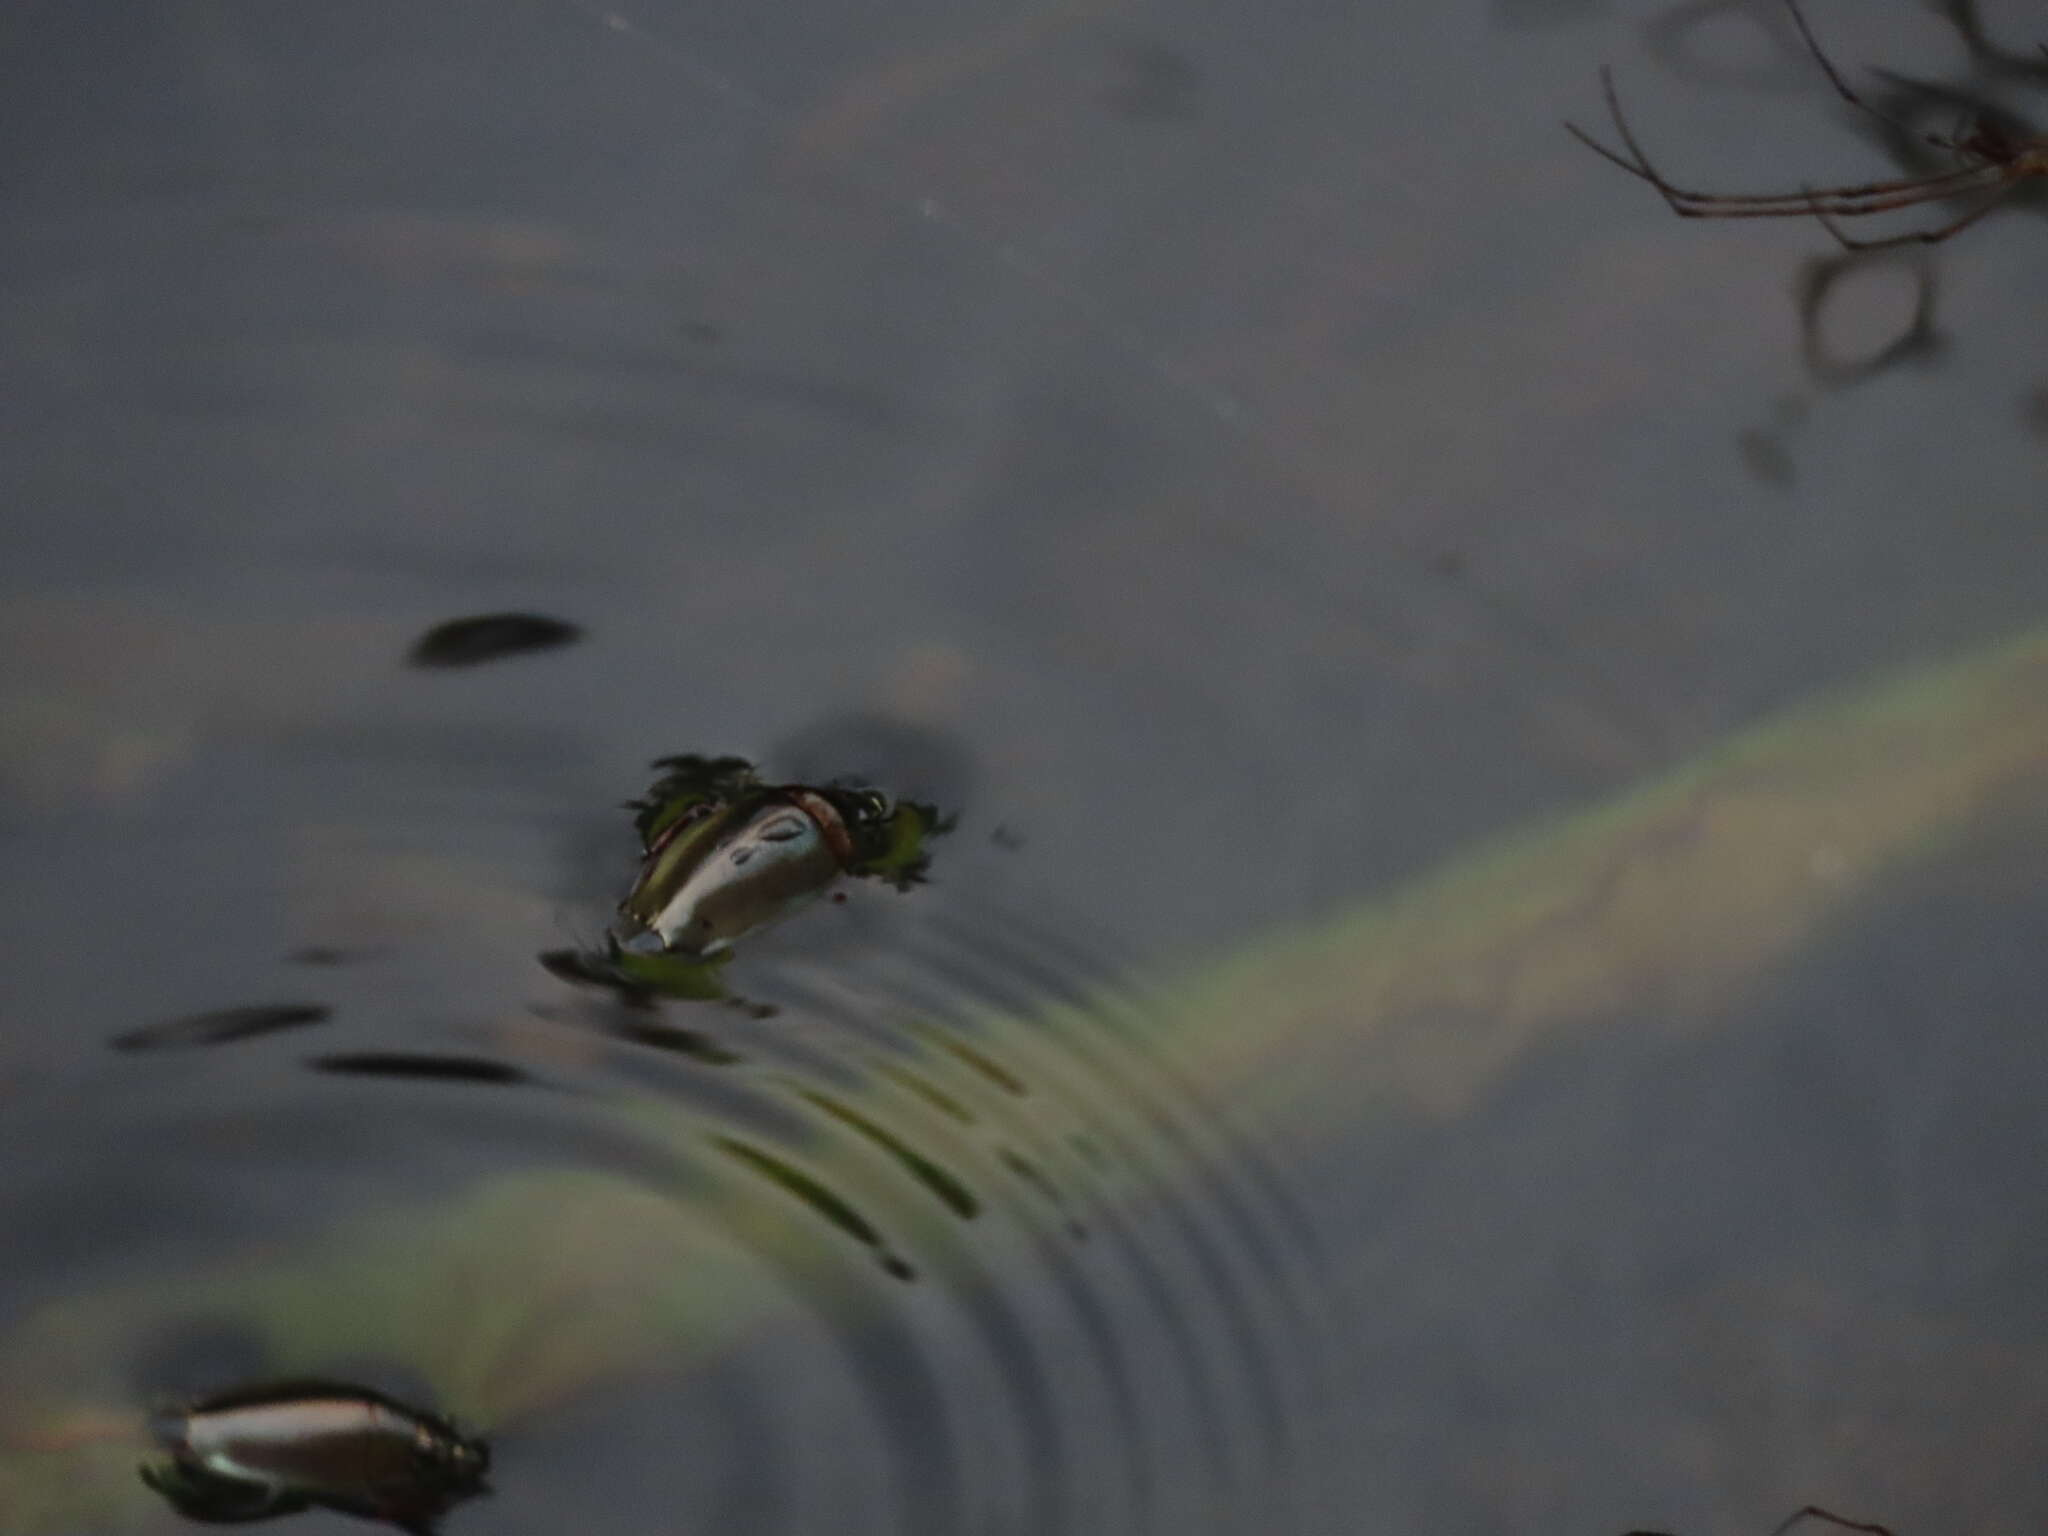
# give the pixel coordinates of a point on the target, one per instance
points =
(724, 854)
(282, 1447)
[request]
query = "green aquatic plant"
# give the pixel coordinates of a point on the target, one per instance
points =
(1683, 891)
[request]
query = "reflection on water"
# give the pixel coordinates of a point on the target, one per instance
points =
(1486, 978)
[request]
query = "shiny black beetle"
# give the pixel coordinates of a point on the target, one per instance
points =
(723, 854)
(278, 1448)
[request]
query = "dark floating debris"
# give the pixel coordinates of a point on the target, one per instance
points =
(1988, 160)
(425, 1068)
(280, 1448)
(221, 1026)
(489, 636)
(723, 854)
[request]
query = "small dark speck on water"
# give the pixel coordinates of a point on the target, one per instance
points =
(435, 1069)
(221, 1026)
(489, 636)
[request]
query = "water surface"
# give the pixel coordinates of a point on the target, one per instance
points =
(1251, 461)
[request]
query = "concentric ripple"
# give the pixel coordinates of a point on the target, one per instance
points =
(947, 1223)
(1107, 1313)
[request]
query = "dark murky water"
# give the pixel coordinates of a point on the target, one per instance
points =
(1482, 983)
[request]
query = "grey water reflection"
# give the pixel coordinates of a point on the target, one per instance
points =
(1487, 975)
